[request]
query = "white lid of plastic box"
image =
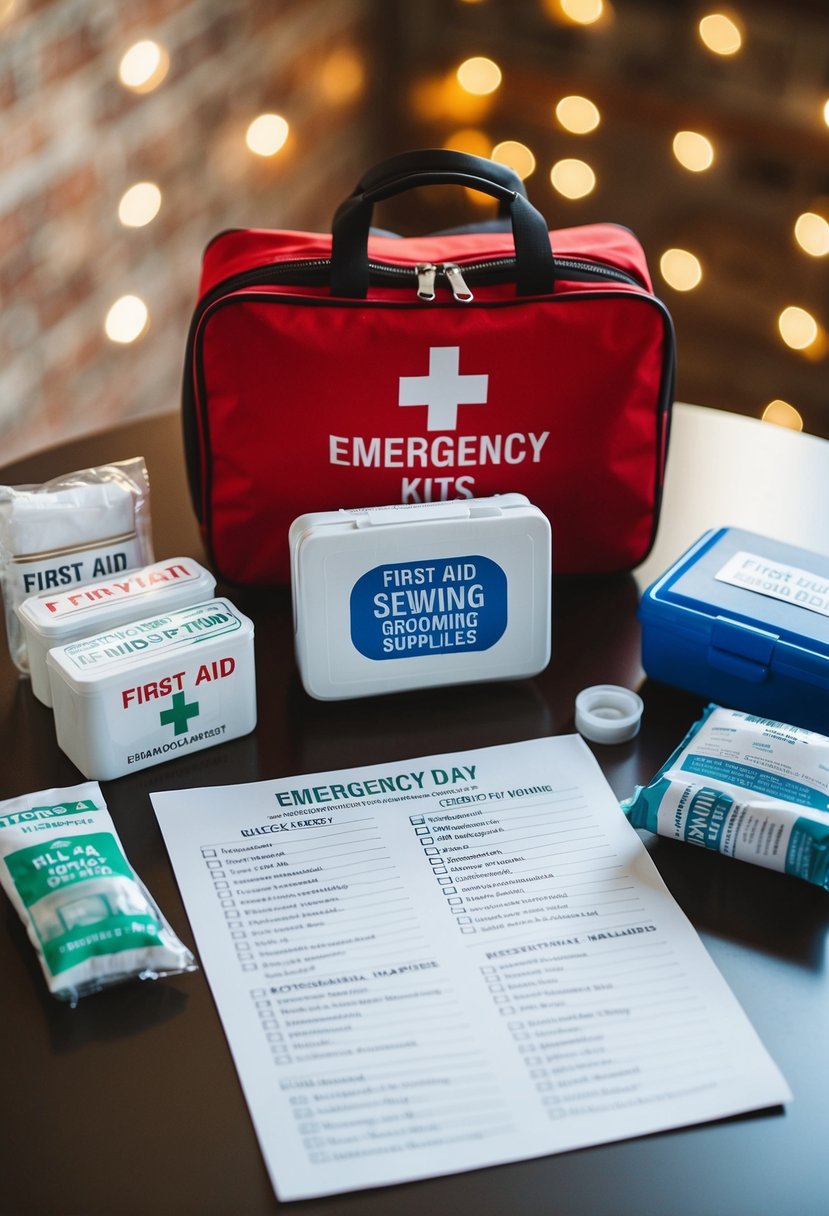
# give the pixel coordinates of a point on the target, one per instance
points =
(608, 713)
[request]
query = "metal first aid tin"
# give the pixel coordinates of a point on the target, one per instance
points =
(154, 689)
(401, 597)
(56, 618)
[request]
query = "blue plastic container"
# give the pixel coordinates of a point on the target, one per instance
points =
(743, 620)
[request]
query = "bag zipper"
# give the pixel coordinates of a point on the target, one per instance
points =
(424, 276)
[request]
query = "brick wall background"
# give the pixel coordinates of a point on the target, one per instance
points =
(73, 139)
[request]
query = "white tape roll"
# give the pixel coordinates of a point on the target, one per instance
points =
(608, 713)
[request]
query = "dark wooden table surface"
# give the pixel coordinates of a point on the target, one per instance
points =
(130, 1103)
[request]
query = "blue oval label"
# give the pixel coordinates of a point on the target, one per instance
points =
(444, 606)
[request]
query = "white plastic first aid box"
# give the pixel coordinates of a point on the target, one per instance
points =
(401, 597)
(55, 618)
(154, 689)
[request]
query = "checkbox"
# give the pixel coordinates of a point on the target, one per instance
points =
(416, 819)
(444, 881)
(495, 987)
(538, 1073)
(318, 1158)
(249, 967)
(427, 840)
(262, 1004)
(237, 933)
(309, 1129)
(455, 900)
(421, 831)
(282, 1059)
(221, 884)
(500, 1000)
(227, 903)
(432, 852)
(214, 865)
(468, 929)
(270, 1024)
(486, 970)
(506, 1010)
(208, 852)
(273, 1036)
(232, 915)
(464, 920)
(450, 890)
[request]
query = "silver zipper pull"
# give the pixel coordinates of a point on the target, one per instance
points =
(426, 272)
(456, 281)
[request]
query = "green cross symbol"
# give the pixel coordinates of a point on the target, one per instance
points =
(179, 713)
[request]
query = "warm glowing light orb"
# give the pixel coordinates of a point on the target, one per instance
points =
(680, 269)
(126, 320)
(139, 205)
(267, 134)
(811, 232)
(782, 414)
(583, 12)
(572, 178)
(578, 115)
(517, 155)
(798, 328)
(469, 139)
(694, 152)
(342, 75)
(143, 66)
(479, 75)
(721, 33)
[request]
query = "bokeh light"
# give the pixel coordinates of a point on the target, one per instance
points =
(342, 76)
(517, 155)
(267, 134)
(469, 139)
(578, 115)
(139, 205)
(479, 75)
(572, 178)
(781, 413)
(721, 33)
(798, 328)
(681, 269)
(126, 320)
(694, 151)
(811, 232)
(143, 66)
(582, 12)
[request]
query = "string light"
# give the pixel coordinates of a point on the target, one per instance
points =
(479, 75)
(582, 12)
(342, 76)
(139, 205)
(680, 269)
(798, 328)
(471, 140)
(143, 66)
(267, 134)
(721, 33)
(126, 320)
(782, 414)
(518, 156)
(578, 115)
(572, 178)
(694, 152)
(811, 232)
(826, 111)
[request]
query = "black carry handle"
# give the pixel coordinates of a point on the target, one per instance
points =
(446, 159)
(534, 263)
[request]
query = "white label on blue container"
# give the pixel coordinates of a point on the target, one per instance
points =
(790, 584)
(438, 606)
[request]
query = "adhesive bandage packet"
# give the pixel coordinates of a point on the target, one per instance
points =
(90, 918)
(746, 787)
(91, 524)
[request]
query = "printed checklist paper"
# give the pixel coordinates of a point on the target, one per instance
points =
(450, 963)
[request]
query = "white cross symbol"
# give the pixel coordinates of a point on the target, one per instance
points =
(444, 389)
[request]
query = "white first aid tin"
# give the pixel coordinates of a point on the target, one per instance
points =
(402, 597)
(154, 689)
(56, 618)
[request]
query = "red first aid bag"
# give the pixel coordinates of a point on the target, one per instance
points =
(358, 370)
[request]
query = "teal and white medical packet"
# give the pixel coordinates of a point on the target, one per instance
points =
(449, 963)
(746, 787)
